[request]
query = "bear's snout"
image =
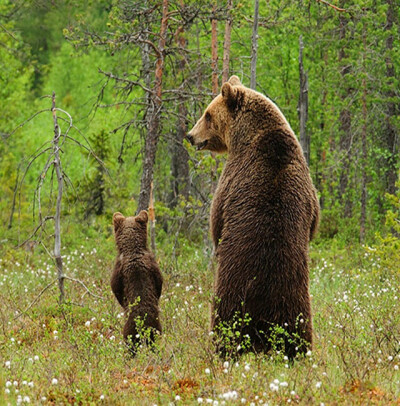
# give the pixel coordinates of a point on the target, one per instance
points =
(189, 138)
(199, 145)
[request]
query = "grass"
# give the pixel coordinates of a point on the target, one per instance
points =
(74, 354)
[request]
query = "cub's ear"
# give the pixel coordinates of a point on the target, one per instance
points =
(142, 217)
(118, 219)
(235, 81)
(230, 95)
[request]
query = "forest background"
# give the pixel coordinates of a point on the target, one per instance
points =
(129, 80)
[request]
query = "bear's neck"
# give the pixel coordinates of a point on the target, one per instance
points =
(137, 247)
(260, 120)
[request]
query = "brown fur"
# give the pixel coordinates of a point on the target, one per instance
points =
(264, 213)
(136, 280)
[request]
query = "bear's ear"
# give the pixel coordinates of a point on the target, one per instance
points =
(235, 81)
(118, 220)
(142, 217)
(230, 95)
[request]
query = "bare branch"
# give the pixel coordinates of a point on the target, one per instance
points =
(81, 283)
(128, 81)
(36, 299)
(342, 10)
(38, 227)
(27, 120)
(8, 32)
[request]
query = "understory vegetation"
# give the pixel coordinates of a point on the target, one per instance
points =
(74, 353)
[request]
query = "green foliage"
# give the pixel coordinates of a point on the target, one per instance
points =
(61, 46)
(95, 190)
(230, 340)
(386, 251)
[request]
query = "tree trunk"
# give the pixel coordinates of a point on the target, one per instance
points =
(254, 47)
(180, 183)
(321, 170)
(214, 53)
(57, 217)
(227, 42)
(303, 105)
(152, 221)
(180, 158)
(10, 221)
(390, 131)
(344, 121)
(363, 215)
(153, 113)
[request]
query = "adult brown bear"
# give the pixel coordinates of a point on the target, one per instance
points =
(263, 215)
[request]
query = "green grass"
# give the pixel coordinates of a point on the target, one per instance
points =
(74, 354)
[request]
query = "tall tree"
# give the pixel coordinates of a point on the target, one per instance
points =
(254, 46)
(227, 42)
(179, 155)
(154, 113)
(345, 127)
(303, 105)
(363, 215)
(214, 51)
(390, 132)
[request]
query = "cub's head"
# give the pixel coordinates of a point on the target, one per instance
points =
(211, 131)
(130, 232)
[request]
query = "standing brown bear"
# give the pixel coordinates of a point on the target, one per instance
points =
(136, 280)
(263, 215)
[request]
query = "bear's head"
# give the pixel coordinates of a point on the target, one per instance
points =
(130, 232)
(234, 118)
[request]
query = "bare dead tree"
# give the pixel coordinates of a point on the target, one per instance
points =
(302, 106)
(52, 165)
(254, 47)
(57, 216)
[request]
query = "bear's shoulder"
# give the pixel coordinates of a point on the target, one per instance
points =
(279, 147)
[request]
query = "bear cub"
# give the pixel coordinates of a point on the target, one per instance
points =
(136, 280)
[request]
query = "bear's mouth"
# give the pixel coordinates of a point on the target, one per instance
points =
(202, 145)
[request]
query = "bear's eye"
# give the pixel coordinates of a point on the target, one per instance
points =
(208, 117)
